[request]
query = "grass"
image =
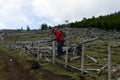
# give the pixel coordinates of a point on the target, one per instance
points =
(98, 50)
(62, 71)
(24, 58)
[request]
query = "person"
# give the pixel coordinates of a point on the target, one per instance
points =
(60, 39)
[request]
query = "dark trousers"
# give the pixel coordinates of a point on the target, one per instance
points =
(60, 47)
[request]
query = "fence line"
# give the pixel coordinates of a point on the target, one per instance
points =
(45, 49)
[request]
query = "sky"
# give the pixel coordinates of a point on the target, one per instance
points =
(15, 14)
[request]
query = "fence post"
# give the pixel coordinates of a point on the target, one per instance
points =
(45, 46)
(109, 63)
(82, 59)
(53, 54)
(66, 58)
(74, 51)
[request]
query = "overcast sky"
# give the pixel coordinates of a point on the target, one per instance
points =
(15, 14)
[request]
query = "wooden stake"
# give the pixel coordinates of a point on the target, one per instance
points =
(109, 63)
(82, 59)
(66, 59)
(53, 59)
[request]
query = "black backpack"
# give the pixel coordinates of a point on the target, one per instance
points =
(35, 65)
(64, 34)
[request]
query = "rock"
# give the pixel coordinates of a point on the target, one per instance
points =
(11, 60)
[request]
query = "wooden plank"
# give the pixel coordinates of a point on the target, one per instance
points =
(86, 41)
(73, 68)
(102, 68)
(93, 59)
(76, 57)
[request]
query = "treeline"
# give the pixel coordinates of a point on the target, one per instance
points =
(107, 22)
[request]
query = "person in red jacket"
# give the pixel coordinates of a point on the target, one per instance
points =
(60, 38)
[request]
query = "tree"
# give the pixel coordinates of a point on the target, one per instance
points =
(44, 26)
(21, 28)
(50, 27)
(28, 28)
(107, 22)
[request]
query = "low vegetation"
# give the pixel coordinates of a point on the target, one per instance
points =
(96, 49)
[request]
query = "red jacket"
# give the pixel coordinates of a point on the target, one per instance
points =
(58, 35)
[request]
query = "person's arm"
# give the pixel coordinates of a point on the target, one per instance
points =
(51, 40)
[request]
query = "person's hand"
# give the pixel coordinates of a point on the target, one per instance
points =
(51, 40)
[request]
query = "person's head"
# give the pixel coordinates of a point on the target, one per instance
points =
(53, 30)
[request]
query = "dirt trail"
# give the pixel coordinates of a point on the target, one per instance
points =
(13, 69)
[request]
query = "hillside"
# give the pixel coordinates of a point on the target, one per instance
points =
(106, 22)
(24, 45)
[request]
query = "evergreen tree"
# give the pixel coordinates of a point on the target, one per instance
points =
(28, 28)
(44, 26)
